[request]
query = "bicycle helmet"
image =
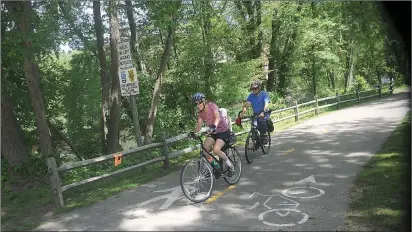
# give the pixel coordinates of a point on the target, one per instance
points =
(255, 84)
(198, 96)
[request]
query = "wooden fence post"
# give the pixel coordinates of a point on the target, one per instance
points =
(391, 86)
(317, 105)
(55, 181)
(358, 94)
(165, 150)
(296, 111)
(338, 98)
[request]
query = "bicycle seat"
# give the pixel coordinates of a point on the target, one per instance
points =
(231, 139)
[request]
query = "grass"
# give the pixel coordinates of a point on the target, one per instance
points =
(24, 210)
(380, 195)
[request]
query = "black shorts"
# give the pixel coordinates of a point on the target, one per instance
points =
(222, 135)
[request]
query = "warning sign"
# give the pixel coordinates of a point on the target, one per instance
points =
(128, 81)
(125, 57)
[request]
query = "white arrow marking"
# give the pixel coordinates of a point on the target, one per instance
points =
(310, 179)
(174, 195)
(255, 205)
(263, 195)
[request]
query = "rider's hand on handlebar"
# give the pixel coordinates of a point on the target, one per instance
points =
(211, 129)
(261, 115)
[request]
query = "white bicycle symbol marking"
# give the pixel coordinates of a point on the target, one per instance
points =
(304, 219)
(303, 192)
(293, 194)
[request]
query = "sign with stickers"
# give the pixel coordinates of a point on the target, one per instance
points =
(125, 56)
(128, 81)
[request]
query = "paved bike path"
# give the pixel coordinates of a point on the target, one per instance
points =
(302, 184)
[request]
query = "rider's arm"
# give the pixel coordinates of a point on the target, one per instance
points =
(267, 100)
(217, 117)
(266, 107)
(245, 107)
(199, 124)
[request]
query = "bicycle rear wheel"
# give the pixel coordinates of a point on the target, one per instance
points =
(250, 149)
(196, 180)
(234, 157)
(266, 147)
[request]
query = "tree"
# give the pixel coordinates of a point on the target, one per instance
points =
(12, 140)
(104, 73)
(160, 73)
(22, 13)
(115, 99)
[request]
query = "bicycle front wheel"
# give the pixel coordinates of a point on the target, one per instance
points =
(266, 147)
(250, 149)
(196, 180)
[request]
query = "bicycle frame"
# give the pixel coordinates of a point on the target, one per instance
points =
(254, 128)
(220, 161)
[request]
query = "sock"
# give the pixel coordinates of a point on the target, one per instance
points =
(228, 163)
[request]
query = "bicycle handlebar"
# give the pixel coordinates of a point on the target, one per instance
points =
(192, 135)
(256, 114)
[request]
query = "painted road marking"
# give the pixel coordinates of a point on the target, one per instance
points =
(304, 219)
(291, 192)
(219, 194)
(289, 151)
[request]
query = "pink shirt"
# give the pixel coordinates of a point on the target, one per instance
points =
(209, 118)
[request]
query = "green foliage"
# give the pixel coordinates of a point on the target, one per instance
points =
(361, 83)
(312, 41)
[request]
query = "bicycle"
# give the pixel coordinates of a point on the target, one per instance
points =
(253, 142)
(205, 171)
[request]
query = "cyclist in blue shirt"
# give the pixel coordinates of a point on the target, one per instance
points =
(260, 104)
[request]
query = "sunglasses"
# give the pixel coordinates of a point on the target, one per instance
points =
(255, 88)
(198, 103)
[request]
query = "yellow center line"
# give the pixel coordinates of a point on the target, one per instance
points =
(289, 151)
(219, 194)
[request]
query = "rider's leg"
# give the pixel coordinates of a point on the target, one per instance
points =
(208, 143)
(217, 150)
(263, 128)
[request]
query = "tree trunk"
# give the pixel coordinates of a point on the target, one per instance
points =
(115, 99)
(22, 12)
(104, 72)
(251, 28)
(133, 33)
(332, 79)
(273, 55)
(349, 68)
(258, 50)
(208, 59)
(313, 71)
(156, 92)
(284, 62)
(65, 139)
(12, 140)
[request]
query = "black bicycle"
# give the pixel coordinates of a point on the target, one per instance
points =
(199, 187)
(253, 140)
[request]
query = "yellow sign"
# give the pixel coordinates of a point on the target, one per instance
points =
(131, 75)
(129, 84)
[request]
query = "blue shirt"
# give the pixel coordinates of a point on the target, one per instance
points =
(258, 102)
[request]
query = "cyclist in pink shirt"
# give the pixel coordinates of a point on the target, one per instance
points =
(218, 127)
